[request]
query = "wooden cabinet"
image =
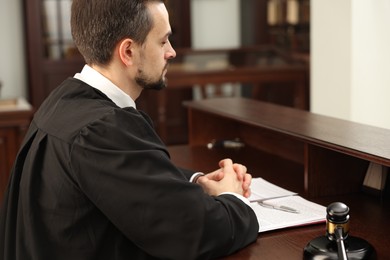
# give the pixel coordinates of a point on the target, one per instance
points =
(15, 117)
(51, 56)
(282, 23)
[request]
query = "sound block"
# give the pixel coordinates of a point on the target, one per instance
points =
(321, 248)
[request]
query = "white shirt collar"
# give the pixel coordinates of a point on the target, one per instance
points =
(98, 81)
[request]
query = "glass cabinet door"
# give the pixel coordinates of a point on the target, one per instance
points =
(289, 24)
(57, 37)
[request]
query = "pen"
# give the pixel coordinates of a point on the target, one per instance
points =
(269, 198)
(281, 207)
(233, 144)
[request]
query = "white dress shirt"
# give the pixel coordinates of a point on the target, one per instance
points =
(100, 82)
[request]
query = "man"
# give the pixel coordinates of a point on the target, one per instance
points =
(94, 181)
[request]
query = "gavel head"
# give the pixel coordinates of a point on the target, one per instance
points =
(337, 217)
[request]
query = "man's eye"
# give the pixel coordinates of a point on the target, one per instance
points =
(165, 42)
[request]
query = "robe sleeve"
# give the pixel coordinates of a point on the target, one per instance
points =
(126, 172)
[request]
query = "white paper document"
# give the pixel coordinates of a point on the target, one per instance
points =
(282, 208)
(264, 190)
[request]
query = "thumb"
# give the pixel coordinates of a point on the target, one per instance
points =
(215, 175)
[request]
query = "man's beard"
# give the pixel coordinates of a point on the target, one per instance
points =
(146, 83)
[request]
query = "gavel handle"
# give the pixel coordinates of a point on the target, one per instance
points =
(342, 253)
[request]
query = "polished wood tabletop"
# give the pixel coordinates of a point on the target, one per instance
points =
(369, 215)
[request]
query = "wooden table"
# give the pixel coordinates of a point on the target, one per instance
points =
(323, 159)
(369, 215)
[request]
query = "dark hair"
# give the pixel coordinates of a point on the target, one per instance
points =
(98, 25)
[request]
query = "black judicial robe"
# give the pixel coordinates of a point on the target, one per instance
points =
(94, 181)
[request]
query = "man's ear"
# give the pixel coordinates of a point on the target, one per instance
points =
(126, 51)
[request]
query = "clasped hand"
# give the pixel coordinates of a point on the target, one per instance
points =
(231, 177)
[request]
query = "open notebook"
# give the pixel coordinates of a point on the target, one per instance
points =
(277, 208)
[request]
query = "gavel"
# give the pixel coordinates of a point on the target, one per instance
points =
(337, 243)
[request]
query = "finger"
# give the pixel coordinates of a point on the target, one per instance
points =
(226, 163)
(247, 193)
(246, 185)
(240, 170)
(219, 175)
(247, 181)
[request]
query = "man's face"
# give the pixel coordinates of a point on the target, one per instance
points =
(156, 51)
